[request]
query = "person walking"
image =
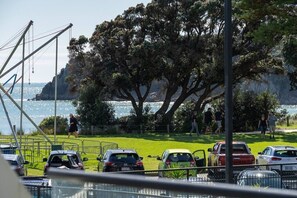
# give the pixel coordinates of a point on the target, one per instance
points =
(272, 124)
(194, 123)
(218, 118)
(208, 117)
(72, 126)
(262, 125)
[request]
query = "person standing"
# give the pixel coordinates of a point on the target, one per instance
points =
(262, 125)
(72, 126)
(208, 117)
(272, 123)
(194, 123)
(218, 119)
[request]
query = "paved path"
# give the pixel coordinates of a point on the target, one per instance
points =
(277, 131)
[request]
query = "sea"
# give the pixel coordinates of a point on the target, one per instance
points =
(38, 110)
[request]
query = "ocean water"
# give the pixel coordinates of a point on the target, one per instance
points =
(38, 110)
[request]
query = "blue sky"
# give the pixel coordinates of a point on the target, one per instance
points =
(48, 16)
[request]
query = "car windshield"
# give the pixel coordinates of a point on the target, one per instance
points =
(285, 153)
(180, 157)
(124, 157)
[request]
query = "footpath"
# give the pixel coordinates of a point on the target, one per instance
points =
(276, 130)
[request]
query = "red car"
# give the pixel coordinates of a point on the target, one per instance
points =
(241, 156)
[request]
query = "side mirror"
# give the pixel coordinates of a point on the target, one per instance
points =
(141, 158)
(159, 158)
(209, 149)
(44, 159)
(85, 159)
(196, 158)
(260, 153)
(26, 162)
(250, 149)
(99, 159)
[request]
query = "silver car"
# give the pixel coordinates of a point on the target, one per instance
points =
(280, 158)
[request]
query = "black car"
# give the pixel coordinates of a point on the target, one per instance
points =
(120, 160)
(16, 163)
(66, 159)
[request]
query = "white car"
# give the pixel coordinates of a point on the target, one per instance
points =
(284, 156)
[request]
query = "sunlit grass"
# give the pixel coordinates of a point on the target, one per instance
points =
(155, 144)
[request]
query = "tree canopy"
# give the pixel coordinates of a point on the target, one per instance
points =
(178, 43)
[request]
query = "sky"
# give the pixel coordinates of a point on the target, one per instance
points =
(50, 16)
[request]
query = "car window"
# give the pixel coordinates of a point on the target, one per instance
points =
(237, 148)
(124, 157)
(180, 157)
(285, 153)
(13, 163)
(266, 151)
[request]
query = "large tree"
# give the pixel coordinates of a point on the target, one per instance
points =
(273, 22)
(179, 43)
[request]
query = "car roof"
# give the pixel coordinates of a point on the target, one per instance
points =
(178, 150)
(121, 151)
(259, 173)
(10, 156)
(62, 152)
(283, 147)
(234, 142)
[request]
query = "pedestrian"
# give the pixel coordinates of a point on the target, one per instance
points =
(208, 117)
(194, 123)
(272, 124)
(262, 125)
(218, 118)
(72, 126)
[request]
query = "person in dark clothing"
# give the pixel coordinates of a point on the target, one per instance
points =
(218, 118)
(72, 126)
(208, 117)
(262, 125)
(194, 123)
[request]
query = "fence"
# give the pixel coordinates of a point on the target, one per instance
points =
(81, 184)
(36, 148)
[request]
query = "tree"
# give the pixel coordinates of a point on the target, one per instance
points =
(92, 110)
(273, 22)
(178, 43)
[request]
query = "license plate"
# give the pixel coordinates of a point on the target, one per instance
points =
(125, 168)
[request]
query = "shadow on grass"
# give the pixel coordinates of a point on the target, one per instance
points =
(208, 138)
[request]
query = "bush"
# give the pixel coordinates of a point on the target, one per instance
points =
(47, 125)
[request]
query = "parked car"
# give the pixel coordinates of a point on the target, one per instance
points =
(180, 158)
(217, 157)
(120, 160)
(286, 155)
(67, 159)
(260, 178)
(16, 163)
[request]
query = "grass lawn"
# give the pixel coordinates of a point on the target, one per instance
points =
(155, 144)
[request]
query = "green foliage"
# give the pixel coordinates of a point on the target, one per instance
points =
(290, 55)
(178, 44)
(182, 118)
(47, 125)
(92, 110)
(139, 124)
(248, 107)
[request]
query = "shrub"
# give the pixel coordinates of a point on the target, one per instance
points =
(47, 125)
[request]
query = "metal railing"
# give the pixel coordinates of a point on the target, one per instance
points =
(81, 184)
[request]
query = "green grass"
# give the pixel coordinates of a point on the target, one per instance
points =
(155, 144)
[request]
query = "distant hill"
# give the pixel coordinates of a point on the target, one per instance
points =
(277, 84)
(63, 89)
